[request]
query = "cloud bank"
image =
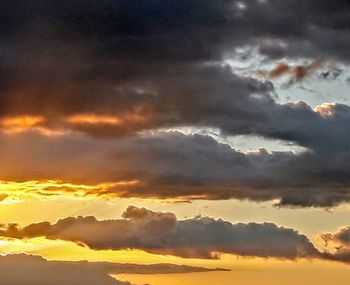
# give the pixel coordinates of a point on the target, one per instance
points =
(34, 270)
(172, 165)
(202, 237)
(83, 81)
(162, 233)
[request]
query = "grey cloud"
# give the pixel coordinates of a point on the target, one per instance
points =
(34, 270)
(107, 64)
(338, 244)
(206, 96)
(165, 58)
(162, 233)
(186, 30)
(174, 165)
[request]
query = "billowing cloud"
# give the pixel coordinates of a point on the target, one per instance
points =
(171, 165)
(91, 92)
(201, 30)
(34, 270)
(117, 69)
(147, 65)
(200, 96)
(162, 233)
(338, 245)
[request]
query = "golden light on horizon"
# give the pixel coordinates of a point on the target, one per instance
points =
(54, 188)
(92, 119)
(16, 124)
(134, 117)
(21, 124)
(198, 142)
(22, 121)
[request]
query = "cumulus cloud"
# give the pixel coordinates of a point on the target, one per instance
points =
(34, 270)
(338, 245)
(162, 233)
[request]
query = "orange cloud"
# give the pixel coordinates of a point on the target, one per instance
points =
(12, 190)
(279, 70)
(326, 109)
(25, 123)
(297, 72)
(108, 125)
(138, 115)
(100, 124)
(21, 123)
(92, 119)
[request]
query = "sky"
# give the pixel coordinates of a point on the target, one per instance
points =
(174, 142)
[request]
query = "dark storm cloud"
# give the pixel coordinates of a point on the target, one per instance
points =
(187, 30)
(162, 233)
(130, 66)
(34, 270)
(174, 165)
(207, 96)
(161, 57)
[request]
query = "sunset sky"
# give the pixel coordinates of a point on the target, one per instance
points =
(174, 142)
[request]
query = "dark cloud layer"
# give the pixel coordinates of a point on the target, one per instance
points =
(193, 95)
(173, 30)
(174, 165)
(111, 69)
(161, 57)
(162, 233)
(34, 270)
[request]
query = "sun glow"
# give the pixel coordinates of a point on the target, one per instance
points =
(133, 117)
(21, 124)
(52, 188)
(92, 119)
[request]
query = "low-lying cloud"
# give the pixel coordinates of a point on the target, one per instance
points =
(201, 237)
(172, 165)
(34, 270)
(162, 233)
